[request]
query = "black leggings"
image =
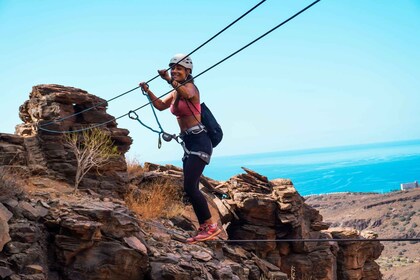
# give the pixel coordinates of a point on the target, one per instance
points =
(193, 167)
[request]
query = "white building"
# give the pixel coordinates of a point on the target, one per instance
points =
(407, 186)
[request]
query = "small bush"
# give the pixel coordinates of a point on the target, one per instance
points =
(93, 149)
(158, 199)
(134, 168)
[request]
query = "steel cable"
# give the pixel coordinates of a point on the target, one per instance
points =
(198, 75)
(124, 93)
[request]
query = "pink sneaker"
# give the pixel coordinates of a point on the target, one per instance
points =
(192, 239)
(206, 232)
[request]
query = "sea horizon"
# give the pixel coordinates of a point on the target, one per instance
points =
(374, 167)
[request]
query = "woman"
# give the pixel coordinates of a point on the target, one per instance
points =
(184, 103)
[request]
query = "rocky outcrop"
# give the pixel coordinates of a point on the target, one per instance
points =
(259, 209)
(55, 234)
(39, 142)
(93, 239)
(68, 237)
(273, 210)
(24, 256)
(12, 150)
(356, 260)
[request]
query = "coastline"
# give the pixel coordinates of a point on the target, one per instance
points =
(367, 168)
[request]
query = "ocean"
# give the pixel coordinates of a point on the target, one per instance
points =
(378, 167)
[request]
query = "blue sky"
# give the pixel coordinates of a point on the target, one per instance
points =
(344, 72)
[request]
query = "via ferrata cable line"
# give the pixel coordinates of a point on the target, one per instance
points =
(221, 61)
(195, 77)
(234, 53)
(339, 240)
(214, 36)
(124, 93)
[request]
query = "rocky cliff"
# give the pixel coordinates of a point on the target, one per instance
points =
(49, 232)
(392, 215)
(52, 110)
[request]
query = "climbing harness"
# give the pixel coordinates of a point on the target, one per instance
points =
(168, 137)
(199, 128)
(196, 129)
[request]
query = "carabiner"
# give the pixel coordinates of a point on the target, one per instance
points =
(130, 115)
(167, 137)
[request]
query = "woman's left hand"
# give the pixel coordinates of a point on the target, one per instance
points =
(164, 75)
(144, 86)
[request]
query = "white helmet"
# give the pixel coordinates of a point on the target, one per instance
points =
(182, 60)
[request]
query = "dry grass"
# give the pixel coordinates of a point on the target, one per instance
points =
(134, 168)
(10, 184)
(157, 199)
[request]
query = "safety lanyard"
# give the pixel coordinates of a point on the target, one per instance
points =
(166, 136)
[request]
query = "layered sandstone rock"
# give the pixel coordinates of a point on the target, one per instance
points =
(51, 111)
(96, 240)
(356, 260)
(54, 234)
(12, 150)
(260, 209)
(50, 235)
(274, 210)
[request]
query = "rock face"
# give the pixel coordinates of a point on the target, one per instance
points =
(12, 150)
(51, 235)
(259, 209)
(54, 234)
(51, 110)
(274, 210)
(96, 240)
(356, 260)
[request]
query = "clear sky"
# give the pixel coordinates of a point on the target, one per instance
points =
(344, 72)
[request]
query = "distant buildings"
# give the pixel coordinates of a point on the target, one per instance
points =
(407, 186)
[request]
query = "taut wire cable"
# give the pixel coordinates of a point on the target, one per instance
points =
(124, 93)
(234, 53)
(198, 75)
(169, 231)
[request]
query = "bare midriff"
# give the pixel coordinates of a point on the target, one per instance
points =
(188, 121)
